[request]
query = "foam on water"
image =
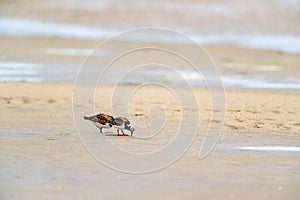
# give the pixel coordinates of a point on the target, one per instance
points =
(15, 72)
(21, 78)
(23, 27)
(18, 65)
(76, 52)
(258, 68)
(246, 82)
(194, 78)
(287, 43)
(21, 71)
(271, 148)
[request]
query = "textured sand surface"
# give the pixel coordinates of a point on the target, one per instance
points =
(42, 157)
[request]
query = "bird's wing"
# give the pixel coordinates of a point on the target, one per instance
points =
(125, 120)
(104, 118)
(118, 121)
(122, 120)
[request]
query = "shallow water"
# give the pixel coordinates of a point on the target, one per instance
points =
(27, 27)
(36, 72)
(229, 81)
(76, 52)
(45, 72)
(20, 71)
(271, 148)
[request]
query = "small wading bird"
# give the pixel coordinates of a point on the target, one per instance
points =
(106, 121)
(122, 123)
(101, 121)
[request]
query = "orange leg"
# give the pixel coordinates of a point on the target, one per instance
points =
(124, 133)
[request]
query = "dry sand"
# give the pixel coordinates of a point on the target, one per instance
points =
(41, 156)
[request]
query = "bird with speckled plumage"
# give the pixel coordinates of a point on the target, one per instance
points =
(122, 123)
(101, 121)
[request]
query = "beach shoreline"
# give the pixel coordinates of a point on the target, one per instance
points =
(59, 60)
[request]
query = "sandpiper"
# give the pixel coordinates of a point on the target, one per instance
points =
(122, 123)
(101, 121)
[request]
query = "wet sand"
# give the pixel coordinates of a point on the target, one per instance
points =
(58, 60)
(42, 156)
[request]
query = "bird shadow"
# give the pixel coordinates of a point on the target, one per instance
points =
(114, 135)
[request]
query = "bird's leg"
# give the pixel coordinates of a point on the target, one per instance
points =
(124, 133)
(118, 132)
(100, 129)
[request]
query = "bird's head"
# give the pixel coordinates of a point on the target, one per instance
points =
(132, 129)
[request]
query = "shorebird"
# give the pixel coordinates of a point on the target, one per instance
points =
(101, 121)
(122, 123)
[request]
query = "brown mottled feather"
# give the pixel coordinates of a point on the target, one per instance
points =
(101, 118)
(104, 118)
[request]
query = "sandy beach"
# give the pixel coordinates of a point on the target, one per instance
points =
(42, 156)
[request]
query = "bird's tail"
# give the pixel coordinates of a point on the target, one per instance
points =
(86, 118)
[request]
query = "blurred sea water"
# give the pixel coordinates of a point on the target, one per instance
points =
(268, 25)
(21, 28)
(38, 72)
